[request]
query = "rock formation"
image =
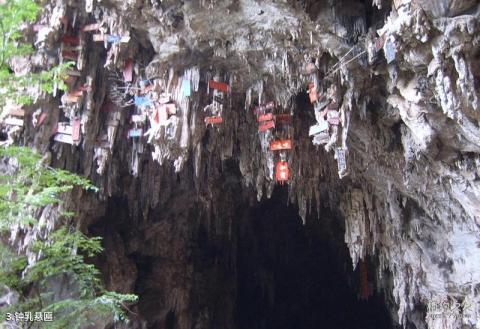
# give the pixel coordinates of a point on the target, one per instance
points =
(379, 100)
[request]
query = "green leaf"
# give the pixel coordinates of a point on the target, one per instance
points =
(24, 191)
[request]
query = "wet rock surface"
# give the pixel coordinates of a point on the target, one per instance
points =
(390, 91)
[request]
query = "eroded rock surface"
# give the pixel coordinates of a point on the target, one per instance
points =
(401, 78)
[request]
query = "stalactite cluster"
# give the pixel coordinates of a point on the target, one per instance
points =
(401, 76)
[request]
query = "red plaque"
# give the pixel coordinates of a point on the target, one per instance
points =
(282, 172)
(220, 86)
(213, 120)
(266, 126)
(279, 145)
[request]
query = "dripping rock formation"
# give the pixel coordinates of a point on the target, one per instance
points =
(270, 164)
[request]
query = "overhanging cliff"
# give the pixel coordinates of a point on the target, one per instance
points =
(380, 103)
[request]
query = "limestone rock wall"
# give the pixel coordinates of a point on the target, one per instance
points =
(402, 78)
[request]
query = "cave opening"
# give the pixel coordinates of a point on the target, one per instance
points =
(296, 276)
(253, 265)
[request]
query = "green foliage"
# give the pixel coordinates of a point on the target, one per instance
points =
(59, 258)
(32, 187)
(15, 15)
(24, 191)
(27, 189)
(78, 310)
(11, 267)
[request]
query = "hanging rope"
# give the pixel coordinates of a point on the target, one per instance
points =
(341, 59)
(332, 70)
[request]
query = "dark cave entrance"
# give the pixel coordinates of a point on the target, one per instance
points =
(252, 266)
(295, 276)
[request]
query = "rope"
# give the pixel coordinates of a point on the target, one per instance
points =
(343, 57)
(348, 62)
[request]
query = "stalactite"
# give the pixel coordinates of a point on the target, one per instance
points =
(393, 125)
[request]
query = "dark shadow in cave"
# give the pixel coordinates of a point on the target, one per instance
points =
(170, 321)
(271, 272)
(295, 276)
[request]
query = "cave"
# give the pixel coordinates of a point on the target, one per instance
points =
(255, 264)
(307, 274)
(266, 164)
